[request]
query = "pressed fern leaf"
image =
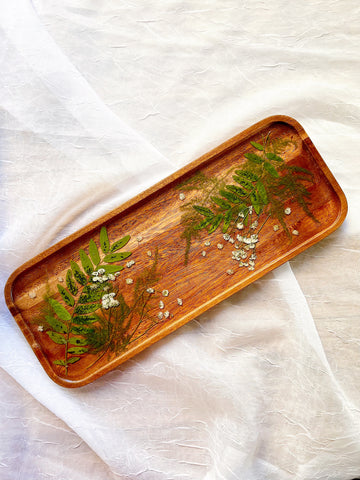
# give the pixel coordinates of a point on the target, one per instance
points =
(71, 326)
(263, 183)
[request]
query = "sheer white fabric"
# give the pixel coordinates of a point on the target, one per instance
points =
(99, 100)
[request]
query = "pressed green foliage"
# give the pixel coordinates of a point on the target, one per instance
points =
(86, 308)
(261, 190)
(256, 202)
(77, 350)
(70, 283)
(203, 210)
(90, 296)
(222, 204)
(60, 362)
(55, 324)
(245, 184)
(258, 146)
(57, 338)
(94, 252)
(79, 330)
(273, 156)
(264, 182)
(73, 360)
(120, 243)
(60, 311)
(78, 274)
(86, 262)
(215, 223)
(271, 169)
(227, 220)
(253, 157)
(72, 327)
(116, 257)
(237, 190)
(115, 331)
(84, 319)
(123, 307)
(111, 268)
(69, 361)
(104, 240)
(204, 223)
(247, 175)
(66, 296)
(77, 341)
(231, 197)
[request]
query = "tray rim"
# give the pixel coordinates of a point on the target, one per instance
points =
(141, 197)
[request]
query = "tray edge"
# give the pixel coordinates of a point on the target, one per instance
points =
(220, 149)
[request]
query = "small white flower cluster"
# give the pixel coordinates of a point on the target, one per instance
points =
(242, 254)
(109, 301)
(250, 242)
(99, 276)
(228, 238)
(130, 264)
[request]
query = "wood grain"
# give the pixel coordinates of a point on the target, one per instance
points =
(155, 216)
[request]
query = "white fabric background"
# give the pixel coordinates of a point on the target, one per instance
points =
(99, 99)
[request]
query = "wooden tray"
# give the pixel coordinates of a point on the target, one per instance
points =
(192, 240)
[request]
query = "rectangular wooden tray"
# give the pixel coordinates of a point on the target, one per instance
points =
(110, 290)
